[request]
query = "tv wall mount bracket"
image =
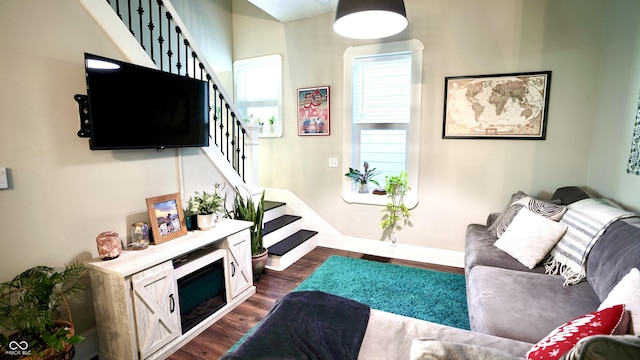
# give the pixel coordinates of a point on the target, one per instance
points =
(83, 110)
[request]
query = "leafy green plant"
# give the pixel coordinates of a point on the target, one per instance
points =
(363, 177)
(30, 308)
(205, 203)
(395, 211)
(272, 119)
(246, 209)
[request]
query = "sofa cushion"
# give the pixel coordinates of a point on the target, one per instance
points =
(389, 336)
(569, 194)
(480, 250)
(529, 237)
(601, 347)
(540, 207)
(621, 242)
(521, 305)
(627, 292)
(493, 227)
(431, 349)
(609, 321)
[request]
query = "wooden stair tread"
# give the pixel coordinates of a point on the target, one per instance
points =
(278, 223)
(291, 242)
(268, 205)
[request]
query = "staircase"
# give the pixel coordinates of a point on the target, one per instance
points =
(155, 35)
(284, 237)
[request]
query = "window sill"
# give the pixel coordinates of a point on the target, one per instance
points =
(352, 197)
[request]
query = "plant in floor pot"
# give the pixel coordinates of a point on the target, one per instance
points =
(363, 178)
(30, 311)
(205, 206)
(395, 211)
(246, 209)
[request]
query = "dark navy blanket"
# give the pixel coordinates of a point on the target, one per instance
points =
(307, 325)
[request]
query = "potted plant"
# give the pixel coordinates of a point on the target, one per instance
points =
(205, 206)
(395, 211)
(30, 307)
(246, 209)
(363, 178)
(272, 121)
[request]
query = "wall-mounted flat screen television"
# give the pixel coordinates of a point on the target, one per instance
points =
(134, 107)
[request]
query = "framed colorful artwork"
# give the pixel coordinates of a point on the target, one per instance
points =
(166, 217)
(313, 111)
(501, 106)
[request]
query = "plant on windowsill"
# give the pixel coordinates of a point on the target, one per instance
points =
(363, 178)
(205, 206)
(246, 209)
(30, 310)
(395, 211)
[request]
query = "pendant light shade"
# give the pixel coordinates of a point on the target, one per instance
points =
(370, 19)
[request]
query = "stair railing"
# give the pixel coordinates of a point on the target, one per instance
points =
(164, 37)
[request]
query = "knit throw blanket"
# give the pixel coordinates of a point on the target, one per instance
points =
(586, 221)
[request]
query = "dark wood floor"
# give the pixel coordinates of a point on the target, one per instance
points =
(217, 339)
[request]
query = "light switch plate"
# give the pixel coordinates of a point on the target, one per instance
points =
(4, 183)
(333, 162)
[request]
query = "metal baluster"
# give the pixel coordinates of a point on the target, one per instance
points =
(151, 26)
(129, 17)
(117, 8)
(236, 146)
(186, 57)
(160, 38)
(215, 106)
(169, 52)
(140, 13)
(194, 56)
(227, 130)
(244, 151)
(178, 63)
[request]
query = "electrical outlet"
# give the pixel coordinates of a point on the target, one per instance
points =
(333, 162)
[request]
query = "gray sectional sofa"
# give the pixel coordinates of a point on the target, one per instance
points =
(510, 300)
(511, 306)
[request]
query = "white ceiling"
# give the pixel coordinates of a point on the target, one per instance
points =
(291, 10)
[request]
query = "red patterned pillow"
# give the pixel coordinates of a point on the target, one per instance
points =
(609, 321)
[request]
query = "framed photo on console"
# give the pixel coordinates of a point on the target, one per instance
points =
(166, 217)
(500, 106)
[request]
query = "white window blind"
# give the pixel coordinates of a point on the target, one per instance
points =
(381, 112)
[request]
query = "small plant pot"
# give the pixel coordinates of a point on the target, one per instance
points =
(258, 263)
(205, 222)
(363, 188)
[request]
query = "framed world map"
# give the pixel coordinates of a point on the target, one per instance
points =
(500, 106)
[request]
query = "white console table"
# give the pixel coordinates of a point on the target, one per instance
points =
(134, 295)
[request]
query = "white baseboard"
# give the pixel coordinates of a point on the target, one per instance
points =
(400, 251)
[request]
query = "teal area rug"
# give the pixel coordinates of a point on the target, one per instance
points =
(418, 293)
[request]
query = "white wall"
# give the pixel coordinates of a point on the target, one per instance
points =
(62, 194)
(618, 101)
(461, 181)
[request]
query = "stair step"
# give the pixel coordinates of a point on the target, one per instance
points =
(291, 242)
(273, 210)
(268, 205)
(278, 223)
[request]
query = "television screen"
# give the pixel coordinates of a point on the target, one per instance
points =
(134, 107)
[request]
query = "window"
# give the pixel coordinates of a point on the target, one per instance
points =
(382, 126)
(258, 92)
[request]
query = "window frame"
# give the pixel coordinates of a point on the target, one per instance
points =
(413, 149)
(238, 66)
